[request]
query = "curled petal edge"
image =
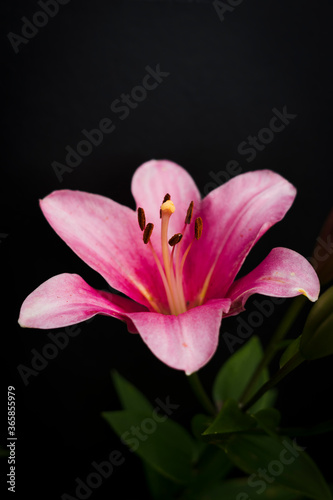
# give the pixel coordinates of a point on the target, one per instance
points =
(283, 273)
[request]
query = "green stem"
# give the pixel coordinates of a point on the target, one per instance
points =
(322, 428)
(201, 394)
(293, 362)
(281, 331)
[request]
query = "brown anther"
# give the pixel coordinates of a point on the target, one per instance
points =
(175, 239)
(147, 232)
(141, 218)
(198, 228)
(167, 197)
(189, 213)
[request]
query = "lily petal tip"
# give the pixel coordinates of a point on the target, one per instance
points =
(311, 297)
(21, 323)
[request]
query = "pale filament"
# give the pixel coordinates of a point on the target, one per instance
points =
(172, 269)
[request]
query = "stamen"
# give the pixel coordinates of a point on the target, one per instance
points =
(165, 282)
(189, 213)
(172, 263)
(175, 239)
(197, 235)
(141, 218)
(175, 282)
(147, 232)
(198, 228)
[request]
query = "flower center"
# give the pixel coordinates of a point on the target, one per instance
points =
(172, 265)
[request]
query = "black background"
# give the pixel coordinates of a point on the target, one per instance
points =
(225, 77)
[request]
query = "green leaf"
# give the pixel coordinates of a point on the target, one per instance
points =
(268, 419)
(241, 489)
(199, 424)
(269, 458)
(314, 430)
(237, 371)
(292, 349)
(130, 397)
(230, 419)
(213, 465)
(321, 343)
(160, 487)
(317, 337)
(319, 312)
(166, 446)
(213, 462)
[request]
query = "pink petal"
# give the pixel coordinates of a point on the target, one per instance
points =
(151, 182)
(66, 299)
(106, 236)
(283, 273)
(185, 342)
(235, 216)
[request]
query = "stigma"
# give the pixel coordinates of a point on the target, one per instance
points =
(173, 254)
(167, 208)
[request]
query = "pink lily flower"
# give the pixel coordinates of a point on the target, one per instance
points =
(179, 269)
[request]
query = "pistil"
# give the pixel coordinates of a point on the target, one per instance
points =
(167, 209)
